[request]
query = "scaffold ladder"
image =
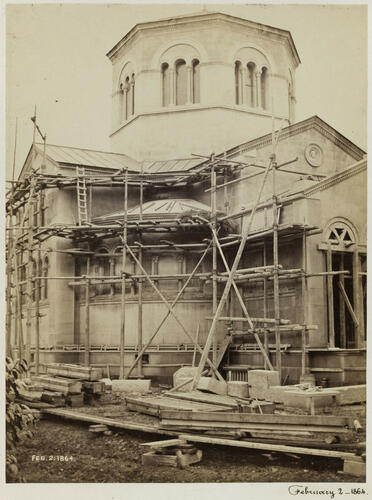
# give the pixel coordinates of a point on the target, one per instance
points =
(81, 193)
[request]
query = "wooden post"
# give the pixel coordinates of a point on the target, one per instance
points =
(276, 275)
(123, 280)
(30, 269)
(19, 310)
(341, 278)
(331, 322)
(229, 282)
(304, 363)
(359, 334)
(9, 275)
(214, 251)
(87, 317)
(140, 316)
(266, 344)
(37, 312)
(196, 341)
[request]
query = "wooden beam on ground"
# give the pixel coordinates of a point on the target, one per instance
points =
(269, 447)
(257, 418)
(130, 426)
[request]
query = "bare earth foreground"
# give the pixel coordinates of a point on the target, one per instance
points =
(92, 458)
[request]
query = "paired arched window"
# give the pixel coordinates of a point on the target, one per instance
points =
(127, 96)
(251, 85)
(180, 83)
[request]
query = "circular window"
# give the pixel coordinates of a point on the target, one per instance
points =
(314, 155)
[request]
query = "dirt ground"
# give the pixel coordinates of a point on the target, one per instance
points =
(92, 458)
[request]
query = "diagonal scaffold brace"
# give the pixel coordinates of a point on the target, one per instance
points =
(169, 307)
(229, 282)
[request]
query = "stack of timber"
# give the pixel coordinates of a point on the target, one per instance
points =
(63, 384)
(245, 424)
(87, 373)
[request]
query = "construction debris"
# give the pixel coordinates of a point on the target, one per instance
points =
(173, 452)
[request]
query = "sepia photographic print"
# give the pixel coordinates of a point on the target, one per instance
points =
(186, 250)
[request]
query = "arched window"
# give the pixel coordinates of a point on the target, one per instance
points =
(340, 235)
(195, 81)
(238, 83)
(132, 86)
(264, 88)
(251, 85)
(165, 73)
(126, 98)
(181, 82)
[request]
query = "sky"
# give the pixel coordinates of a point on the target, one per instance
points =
(55, 59)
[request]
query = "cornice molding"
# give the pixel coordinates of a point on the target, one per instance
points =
(197, 107)
(337, 178)
(311, 123)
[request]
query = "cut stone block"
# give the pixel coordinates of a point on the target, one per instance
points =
(238, 389)
(349, 394)
(260, 382)
(210, 384)
(107, 382)
(138, 386)
(355, 467)
(181, 375)
(304, 399)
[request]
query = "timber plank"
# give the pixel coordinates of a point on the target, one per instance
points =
(258, 418)
(153, 405)
(63, 385)
(194, 424)
(80, 417)
(271, 447)
(74, 371)
(202, 397)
